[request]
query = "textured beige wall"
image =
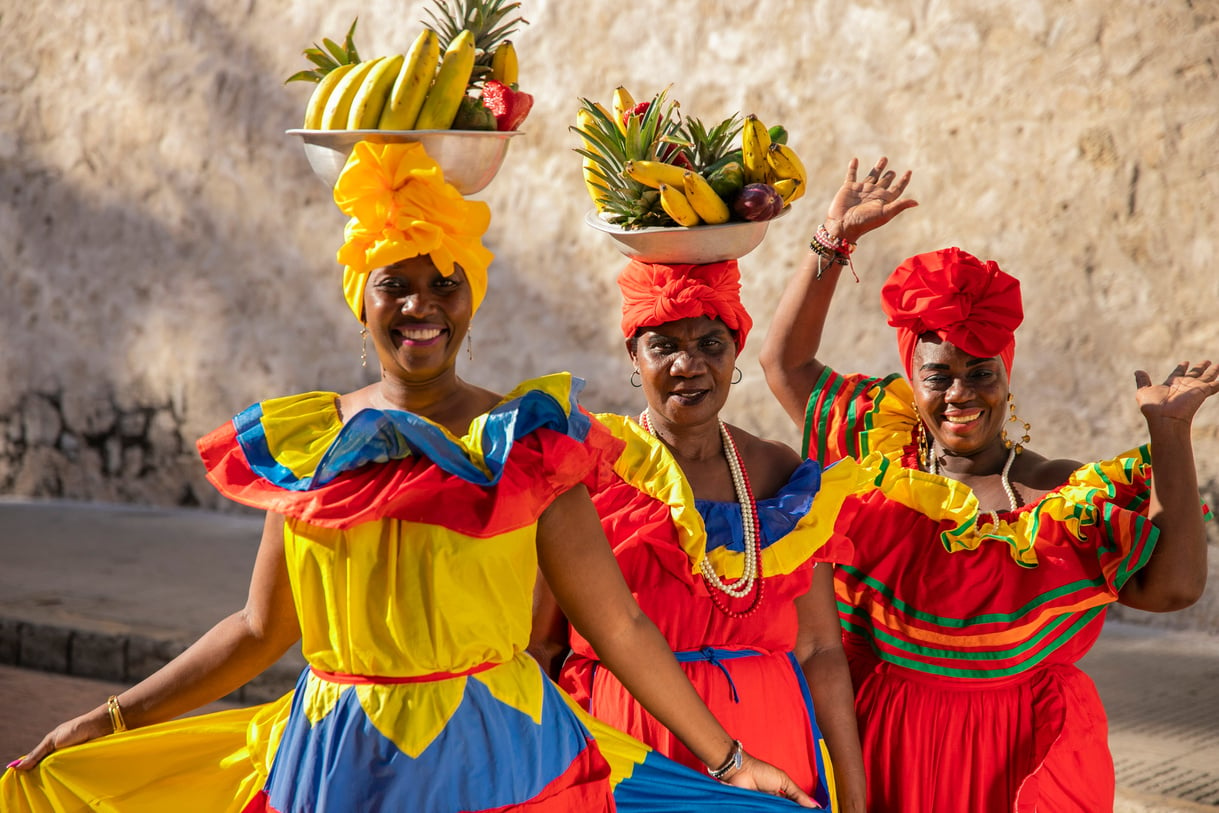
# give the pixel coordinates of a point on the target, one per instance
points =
(167, 256)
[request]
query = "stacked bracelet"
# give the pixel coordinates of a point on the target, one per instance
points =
(736, 758)
(116, 714)
(830, 249)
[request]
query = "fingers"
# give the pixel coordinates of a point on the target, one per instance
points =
(1177, 372)
(875, 172)
(41, 752)
(901, 185)
(852, 168)
(1142, 379)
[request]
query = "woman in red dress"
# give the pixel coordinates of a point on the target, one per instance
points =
(982, 569)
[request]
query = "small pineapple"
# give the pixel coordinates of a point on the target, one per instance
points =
(649, 132)
(490, 21)
(328, 58)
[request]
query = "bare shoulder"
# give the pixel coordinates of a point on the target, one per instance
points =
(1043, 473)
(769, 463)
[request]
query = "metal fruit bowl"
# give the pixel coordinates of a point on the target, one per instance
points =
(686, 244)
(469, 158)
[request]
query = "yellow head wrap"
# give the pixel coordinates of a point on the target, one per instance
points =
(401, 207)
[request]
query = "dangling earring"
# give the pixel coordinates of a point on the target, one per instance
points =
(636, 382)
(736, 379)
(470, 342)
(922, 442)
(364, 346)
(1007, 442)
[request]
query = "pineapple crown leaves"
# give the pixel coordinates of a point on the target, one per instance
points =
(705, 147)
(629, 203)
(328, 57)
(490, 21)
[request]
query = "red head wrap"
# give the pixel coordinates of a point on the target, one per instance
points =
(654, 294)
(956, 296)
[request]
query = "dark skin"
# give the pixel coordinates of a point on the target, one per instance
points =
(949, 382)
(686, 368)
(417, 319)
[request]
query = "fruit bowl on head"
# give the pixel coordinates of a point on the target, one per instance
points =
(696, 245)
(469, 158)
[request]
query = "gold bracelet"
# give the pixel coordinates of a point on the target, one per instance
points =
(116, 714)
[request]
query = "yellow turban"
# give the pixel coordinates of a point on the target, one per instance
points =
(401, 207)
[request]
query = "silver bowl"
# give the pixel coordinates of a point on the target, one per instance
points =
(469, 158)
(686, 244)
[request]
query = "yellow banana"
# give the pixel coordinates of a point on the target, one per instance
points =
(623, 103)
(592, 182)
(317, 102)
(789, 189)
(654, 173)
(503, 63)
(374, 91)
(706, 203)
(675, 204)
(411, 86)
(755, 141)
(785, 163)
(334, 117)
(440, 106)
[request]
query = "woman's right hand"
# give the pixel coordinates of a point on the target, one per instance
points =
(861, 206)
(762, 776)
(88, 726)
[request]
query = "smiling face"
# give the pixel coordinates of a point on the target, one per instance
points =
(961, 398)
(417, 317)
(686, 368)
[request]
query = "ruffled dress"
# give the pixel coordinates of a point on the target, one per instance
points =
(743, 668)
(963, 633)
(412, 560)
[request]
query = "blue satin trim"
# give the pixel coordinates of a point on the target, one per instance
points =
(778, 514)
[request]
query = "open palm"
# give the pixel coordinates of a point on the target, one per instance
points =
(1181, 393)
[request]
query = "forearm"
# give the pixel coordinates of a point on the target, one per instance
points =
(829, 680)
(641, 659)
(1175, 575)
(227, 657)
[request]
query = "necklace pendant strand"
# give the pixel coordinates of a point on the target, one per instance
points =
(751, 575)
(933, 467)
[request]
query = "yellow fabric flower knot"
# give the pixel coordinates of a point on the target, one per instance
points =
(401, 207)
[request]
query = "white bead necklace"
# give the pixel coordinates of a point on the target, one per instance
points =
(749, 524)
(934, 467)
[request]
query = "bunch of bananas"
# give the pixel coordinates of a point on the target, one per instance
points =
(420, 90)
(644, 167)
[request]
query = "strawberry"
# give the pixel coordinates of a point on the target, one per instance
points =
(639, 110)
(509, 106)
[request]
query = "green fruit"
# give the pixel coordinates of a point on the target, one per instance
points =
(728, 180)
(728, 158)
(472, 114)
(778, 134)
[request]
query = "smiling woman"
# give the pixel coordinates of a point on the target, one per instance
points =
(982, 569)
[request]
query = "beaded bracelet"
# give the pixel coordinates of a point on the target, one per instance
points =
(735, 758)
(835, 251)
(116, 714)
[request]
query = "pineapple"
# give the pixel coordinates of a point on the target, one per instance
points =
(490, 22)
(328, 58)
(651, 134)
(708, 147)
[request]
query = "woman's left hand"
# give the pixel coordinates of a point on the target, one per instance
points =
(762, 776)
(1179, 397)
(863, 205)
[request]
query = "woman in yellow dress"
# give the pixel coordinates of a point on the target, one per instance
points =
(405, 524)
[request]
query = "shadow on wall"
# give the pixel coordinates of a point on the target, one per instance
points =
(151, 293)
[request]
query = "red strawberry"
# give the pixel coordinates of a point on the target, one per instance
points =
(639, 110)
(509, 106)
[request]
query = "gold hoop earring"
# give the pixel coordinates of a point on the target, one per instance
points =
(364, 346)
(736, 379)
(470, 342)
(1014, 418)
(922, 442)
(636, 382)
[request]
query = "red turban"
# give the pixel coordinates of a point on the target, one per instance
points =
(956, 296)
(654, 294)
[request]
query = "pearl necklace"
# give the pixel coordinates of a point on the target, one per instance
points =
(934, 467)
(750, 526)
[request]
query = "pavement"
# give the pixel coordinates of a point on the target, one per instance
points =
(94, 596)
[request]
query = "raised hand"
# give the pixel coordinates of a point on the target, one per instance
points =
(863, 205)
(1179, 397)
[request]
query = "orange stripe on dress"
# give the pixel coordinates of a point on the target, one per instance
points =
(364, 680)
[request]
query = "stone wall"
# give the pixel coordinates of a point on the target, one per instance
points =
(166, 256)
